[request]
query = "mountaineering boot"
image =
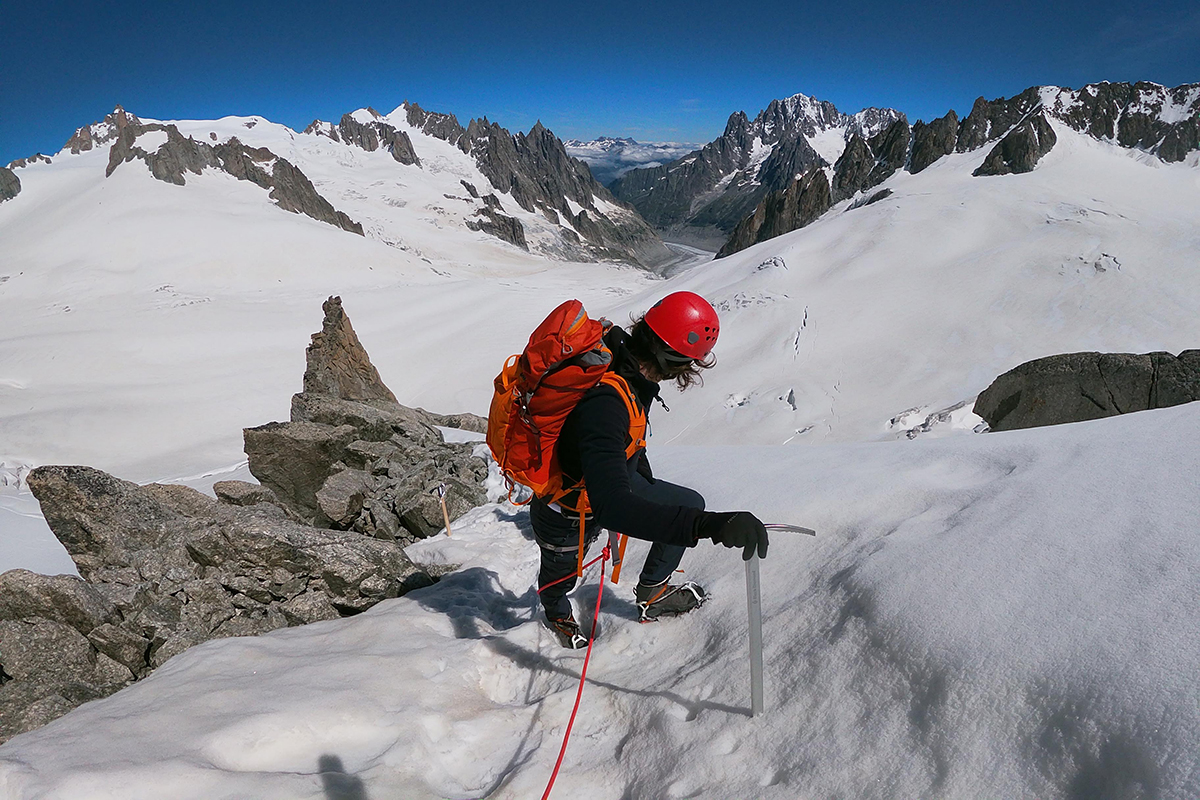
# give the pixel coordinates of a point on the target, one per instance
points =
(568, 632)
(667, 600)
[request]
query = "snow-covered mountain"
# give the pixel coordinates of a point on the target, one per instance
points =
(389, 177)
(703, 195)
(749, 184)
(609, 158)
(981, 615)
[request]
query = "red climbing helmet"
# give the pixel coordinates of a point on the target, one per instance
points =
(686, 322)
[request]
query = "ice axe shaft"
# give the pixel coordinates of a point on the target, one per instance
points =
(441, 493)
(754, 613)
(754, 610)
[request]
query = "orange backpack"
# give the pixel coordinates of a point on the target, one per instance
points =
(536, 392)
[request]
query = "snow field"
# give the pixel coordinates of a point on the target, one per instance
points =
(996, 616)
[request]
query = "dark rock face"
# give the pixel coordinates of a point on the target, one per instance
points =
(851, 171)
(371, 136)
(535, 169)
(868, 163)
(1142, 115)
(989, 120)
(932, 141)
(166, 568)
(1145, 116)
(807, 198)
(1082, 386)
(59, 598)
(241, 493)
(353, 458)
(870, 199)
(440, 126)
(890, 147)
(293, 191)
(1021, 148)
(10, 184)
(36, 158)
(289, 187)
(682, 196)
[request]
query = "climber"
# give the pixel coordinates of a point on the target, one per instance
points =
(601, 450)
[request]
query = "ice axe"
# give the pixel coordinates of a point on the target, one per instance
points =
(441, 493)
(754, 611)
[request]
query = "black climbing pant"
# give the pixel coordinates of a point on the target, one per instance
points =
(558, 536)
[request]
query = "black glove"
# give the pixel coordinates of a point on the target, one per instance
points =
(733, 529)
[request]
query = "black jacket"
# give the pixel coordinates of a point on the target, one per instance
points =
(592, 446)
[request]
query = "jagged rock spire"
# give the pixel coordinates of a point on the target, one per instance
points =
(338, 365)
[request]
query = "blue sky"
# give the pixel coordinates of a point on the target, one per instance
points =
(665, 71)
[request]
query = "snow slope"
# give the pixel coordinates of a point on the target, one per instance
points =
(872, 320)
(991, 616)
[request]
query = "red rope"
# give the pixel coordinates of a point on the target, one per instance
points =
(582, 674)
(574, 574)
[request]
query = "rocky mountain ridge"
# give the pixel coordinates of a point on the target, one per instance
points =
(575, 217)
(1144, 116)
(704, 195)
(171, 155)
(10, 184)
(533, 168)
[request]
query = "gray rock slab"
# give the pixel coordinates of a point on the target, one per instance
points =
(59, 598)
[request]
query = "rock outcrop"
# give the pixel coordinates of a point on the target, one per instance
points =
(165, 568)
(869, 162)
(352, 458)
(501, 226)
(336, 363)
(1145, 116)
(1080, 386)
(1021, 148)
(991, 119)
(178, 156)
(807, 198)
(10, 184)
(345, 484)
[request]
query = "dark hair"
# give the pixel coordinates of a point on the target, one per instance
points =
(653, 352)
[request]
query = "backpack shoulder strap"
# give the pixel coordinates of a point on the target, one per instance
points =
(637, 415)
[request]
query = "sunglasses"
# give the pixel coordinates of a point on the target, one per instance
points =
(669, 361)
